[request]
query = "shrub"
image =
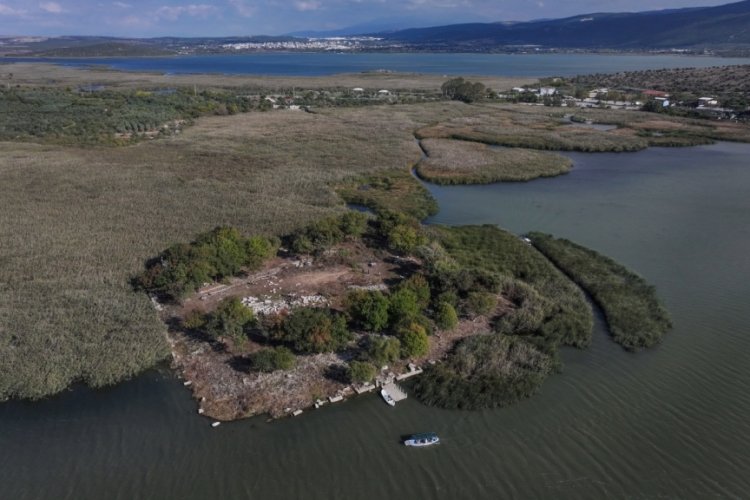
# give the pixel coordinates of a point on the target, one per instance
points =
(270, 360)
(215, 255)
(414, 340)
(312, 330)
(324, 233)
(418, 284)
(403, 304)
(383, 350)
(445, 316)
(230, 319)
(194, 320)
(368, 309)
(400, 232)
(480, 303)
(361, 372)
(459, 89)
(354, 223)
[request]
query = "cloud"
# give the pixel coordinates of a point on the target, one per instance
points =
(193, 10)
(306, 5)
(10, 11)
(51, 7)
(122, 5)
(243, 8)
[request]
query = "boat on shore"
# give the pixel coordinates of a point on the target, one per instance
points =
(387, 397)
(419, 440)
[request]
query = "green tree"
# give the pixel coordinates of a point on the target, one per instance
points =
(459, 89)
(270, 360)
(361, 372)
(406, 238)
(354, 223)
(445, 316)
(257, 250)
(368, 309)
(383, 350)
(403, 305)
(418, 284)
(310, 330)
(414, 340)
(230, 319)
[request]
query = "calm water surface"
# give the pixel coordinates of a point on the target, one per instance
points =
(317, 64)
(668, 423)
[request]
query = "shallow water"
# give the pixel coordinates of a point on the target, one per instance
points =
(317, 64)
(667, 423)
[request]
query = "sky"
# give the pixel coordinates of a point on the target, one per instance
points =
(144, 18)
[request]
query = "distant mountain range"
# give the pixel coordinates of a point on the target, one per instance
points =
(724, 29)
(722, 26)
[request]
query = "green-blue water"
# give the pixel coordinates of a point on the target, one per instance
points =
(315, 64)
(668, 423)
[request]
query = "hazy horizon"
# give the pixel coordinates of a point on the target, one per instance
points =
(154, 18)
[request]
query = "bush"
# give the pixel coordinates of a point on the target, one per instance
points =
(480, 303)
(368, 309)
(383, 350)
(414, 340)
(324, 233)
(401, 233)
(215, 255)
(194, 320)
(270, 360)
(445, 316)
(230, 319)
(354, 223)
(459, 89)
(418, 284)
(361, 372)
(403, 304)
(312, 330)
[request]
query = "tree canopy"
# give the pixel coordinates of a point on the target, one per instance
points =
(459, 89)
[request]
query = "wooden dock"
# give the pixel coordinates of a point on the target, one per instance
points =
(395, 392)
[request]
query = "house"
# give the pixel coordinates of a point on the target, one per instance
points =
(520, 90)
(598, 92)
(547, 91)
(707, 102)
(358, 90)
(663, 100)
(384, 92)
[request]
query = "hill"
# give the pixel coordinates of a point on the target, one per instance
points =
(723, 26)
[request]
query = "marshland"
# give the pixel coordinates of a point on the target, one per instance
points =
(85, 221)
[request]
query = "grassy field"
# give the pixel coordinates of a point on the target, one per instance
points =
(634, 314)
(460, 162)
(544, 128)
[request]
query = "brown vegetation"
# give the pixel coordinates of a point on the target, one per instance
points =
(461, 162)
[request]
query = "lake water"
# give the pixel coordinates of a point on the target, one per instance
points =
(316, 64)
(668, 423)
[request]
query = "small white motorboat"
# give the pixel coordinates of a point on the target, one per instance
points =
(387, 397)
(427, 439)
